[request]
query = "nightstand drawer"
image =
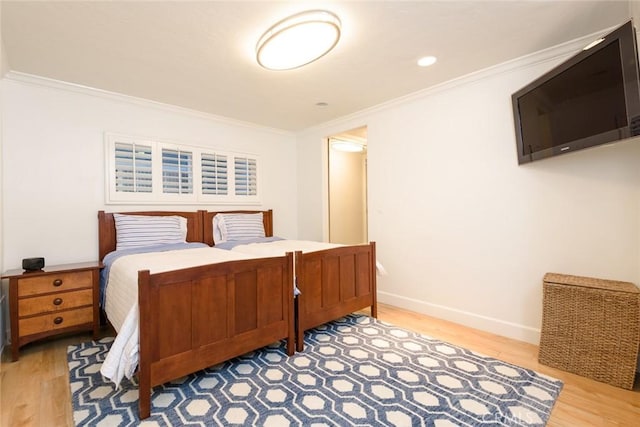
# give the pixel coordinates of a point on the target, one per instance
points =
(49, 322)
(54, 302)
(54, 283)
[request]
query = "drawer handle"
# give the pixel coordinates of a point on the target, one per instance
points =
(58, 320)
(57, 301)
(57, 282)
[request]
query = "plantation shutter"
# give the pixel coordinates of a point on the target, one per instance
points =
(214, 174)
(177, 171)
(133, 168)
(246, 176)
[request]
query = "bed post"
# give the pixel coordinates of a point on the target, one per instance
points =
(267, 219)
(106, 234)
(374, 285)
(299, 330)
(205, 238)
(144, 365)
(289, 298)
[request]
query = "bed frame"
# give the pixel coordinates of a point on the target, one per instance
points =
(197, 317)
(332, 282)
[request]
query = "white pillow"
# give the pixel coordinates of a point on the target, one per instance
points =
(217, 232)
(134, 231)
(183, 227)
(234, 227)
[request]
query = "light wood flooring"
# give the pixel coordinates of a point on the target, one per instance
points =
(35, 390)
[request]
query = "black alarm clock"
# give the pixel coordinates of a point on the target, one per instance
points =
(33, 264)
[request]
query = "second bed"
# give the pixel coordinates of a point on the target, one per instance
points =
(333, 280)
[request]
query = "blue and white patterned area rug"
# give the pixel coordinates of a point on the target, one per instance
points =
(354, 371)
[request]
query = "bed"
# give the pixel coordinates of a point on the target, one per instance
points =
(333, 280)
(192, 318)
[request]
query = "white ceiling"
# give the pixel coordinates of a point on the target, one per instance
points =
(200, 55)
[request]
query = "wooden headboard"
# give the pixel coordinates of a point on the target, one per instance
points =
(107, 228)
(267, 219)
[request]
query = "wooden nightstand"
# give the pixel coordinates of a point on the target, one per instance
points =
(51, 301)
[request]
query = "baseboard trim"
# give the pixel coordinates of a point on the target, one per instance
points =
(473, 320)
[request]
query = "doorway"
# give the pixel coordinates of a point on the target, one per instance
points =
(348, 187)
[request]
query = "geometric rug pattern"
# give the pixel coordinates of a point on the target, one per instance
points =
(355, 371)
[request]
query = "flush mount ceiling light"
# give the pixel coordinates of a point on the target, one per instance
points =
(427, 61)
(298, 40)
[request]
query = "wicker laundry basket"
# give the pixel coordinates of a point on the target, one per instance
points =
(591, 327)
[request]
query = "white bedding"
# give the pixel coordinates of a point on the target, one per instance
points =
(121, 304)
(281, 247)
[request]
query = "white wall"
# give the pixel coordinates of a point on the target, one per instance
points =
(54, 164)
(464, 232)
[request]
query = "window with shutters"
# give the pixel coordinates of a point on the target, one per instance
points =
(133, 168)
(143, 171)
(246, 177)
(215, 179)
(177, 171)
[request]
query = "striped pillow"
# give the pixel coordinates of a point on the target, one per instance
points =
(134, 231)
(234, 227)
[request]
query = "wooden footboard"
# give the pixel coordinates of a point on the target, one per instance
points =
(334, 283)
(194, 318)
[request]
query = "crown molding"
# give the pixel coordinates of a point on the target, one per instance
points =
(546, 55)
(551, 54)
(34, 80)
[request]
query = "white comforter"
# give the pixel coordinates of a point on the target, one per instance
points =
(281, 247)
(121, 304)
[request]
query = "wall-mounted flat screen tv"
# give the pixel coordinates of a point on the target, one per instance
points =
(591, 99)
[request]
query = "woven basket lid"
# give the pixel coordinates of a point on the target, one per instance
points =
(591, 282)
